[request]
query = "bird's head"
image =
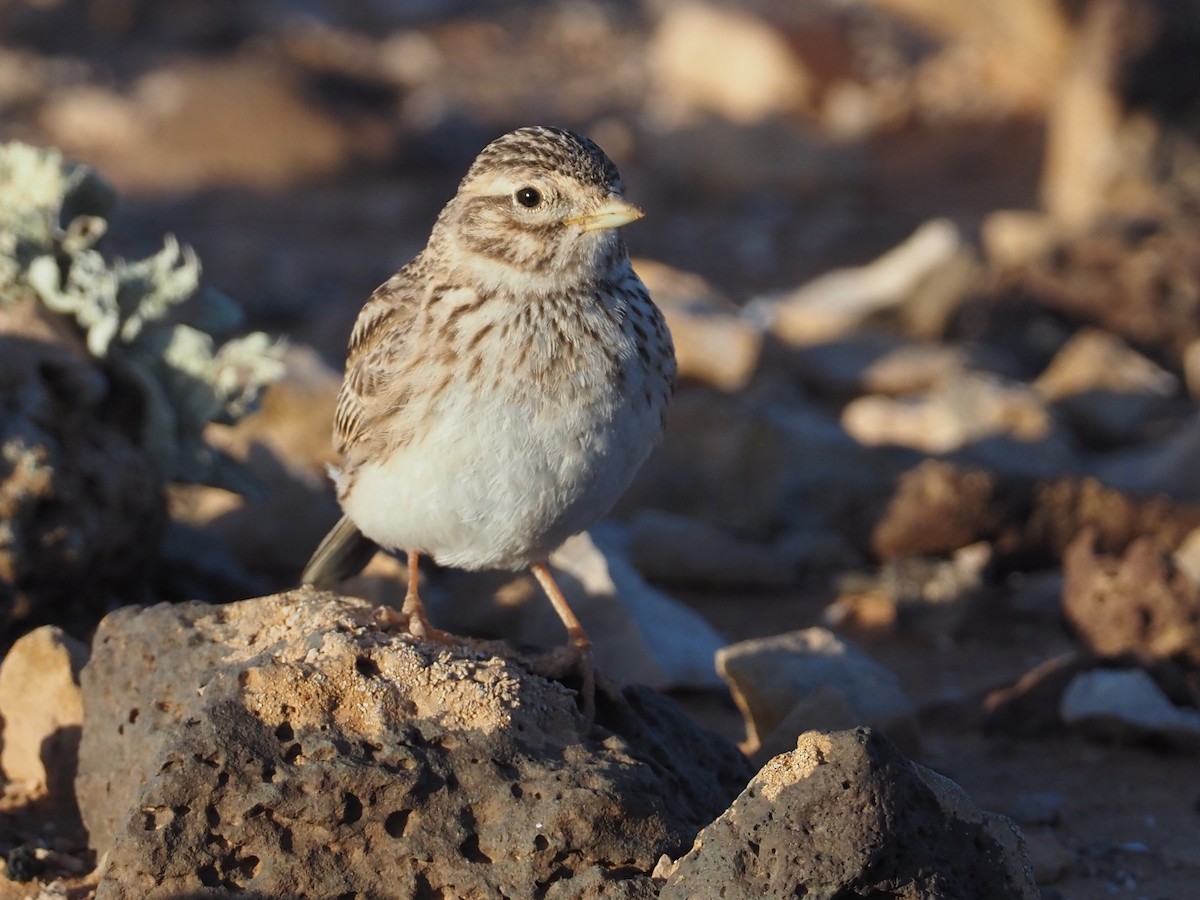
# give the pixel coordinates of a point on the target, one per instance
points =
(538, 210)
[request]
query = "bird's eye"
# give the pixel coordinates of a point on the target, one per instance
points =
(529, 197)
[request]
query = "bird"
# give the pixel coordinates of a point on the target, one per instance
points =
(503, 388)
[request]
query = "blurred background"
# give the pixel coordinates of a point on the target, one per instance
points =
(304, 147)
(933, 269)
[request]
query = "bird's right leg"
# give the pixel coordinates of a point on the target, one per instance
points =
(576, 654)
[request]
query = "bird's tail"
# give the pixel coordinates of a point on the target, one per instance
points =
(343, 553)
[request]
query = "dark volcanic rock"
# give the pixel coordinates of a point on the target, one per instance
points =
(81, 505)
(845, 815)
(285, 746)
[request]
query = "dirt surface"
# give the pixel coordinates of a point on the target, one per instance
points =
(1127, 817)
(304, 149)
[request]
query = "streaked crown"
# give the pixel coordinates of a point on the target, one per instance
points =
(552, 149)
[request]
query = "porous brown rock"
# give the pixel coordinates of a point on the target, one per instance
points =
(1063, 508)
(846, 815)
(938, 507)
(1141, 602)
(286, 746)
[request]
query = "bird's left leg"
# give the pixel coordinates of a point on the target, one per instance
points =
(578, 655)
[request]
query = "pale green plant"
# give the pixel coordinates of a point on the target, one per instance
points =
(150, 322)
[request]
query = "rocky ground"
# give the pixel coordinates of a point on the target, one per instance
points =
(932, 273)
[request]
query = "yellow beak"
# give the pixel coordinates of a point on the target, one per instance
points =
(612, 213)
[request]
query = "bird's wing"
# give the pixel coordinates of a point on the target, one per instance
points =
(382, 337)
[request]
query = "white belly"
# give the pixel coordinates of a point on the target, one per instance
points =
(493, 488)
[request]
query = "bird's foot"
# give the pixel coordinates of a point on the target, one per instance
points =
(411, 618)
(574, 660)
(420, 627)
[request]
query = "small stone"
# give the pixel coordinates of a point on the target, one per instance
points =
(851, 111)
(1049, 858)
(411, 57)
(876, 363)
(938, 596)
(643, 636)
(247, 113)
(1191, 369)
(834, 304)
(713, 344)
(914, 367)
(964, 411)
(1186, 557)
(778, 681)
(55, 890)
(861, 608)
(1128, 705)
(844, 814)
(1095, 360)
(639, 634)
(42, 710)
(726, 61)
(1030, 707)
(1083, 144)
(827, 480)
(1013, 238)
(94, 117)
(1104, 387)
(828, 709)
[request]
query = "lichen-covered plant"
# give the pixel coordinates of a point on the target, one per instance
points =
(153, 325)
